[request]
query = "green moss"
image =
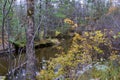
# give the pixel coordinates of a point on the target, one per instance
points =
(18, 43)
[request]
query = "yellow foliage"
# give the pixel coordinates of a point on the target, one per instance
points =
(57, 33)
(74, 26)
(96, 36)
(69, 21)
(81, 50)
(113, 57)
(112, 9)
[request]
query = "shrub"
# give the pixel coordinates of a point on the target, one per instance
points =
(83, 50)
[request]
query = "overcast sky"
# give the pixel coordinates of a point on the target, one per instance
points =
(23, 1)
(18, 2)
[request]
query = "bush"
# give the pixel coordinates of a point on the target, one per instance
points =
(84, 49)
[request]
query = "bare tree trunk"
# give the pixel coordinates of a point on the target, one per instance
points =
(46, 21)
(30, 52)
(3, 23)
(39, 29)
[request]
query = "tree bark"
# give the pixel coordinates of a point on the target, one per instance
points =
(30, 52)
(45, 19)
(3, 23)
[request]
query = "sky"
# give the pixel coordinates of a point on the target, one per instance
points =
(22, 1)
(18, 2)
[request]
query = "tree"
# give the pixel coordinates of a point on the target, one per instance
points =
(30, 52)
(3, 23)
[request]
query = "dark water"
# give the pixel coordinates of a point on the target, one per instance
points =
(3, 66)
(41, 53)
